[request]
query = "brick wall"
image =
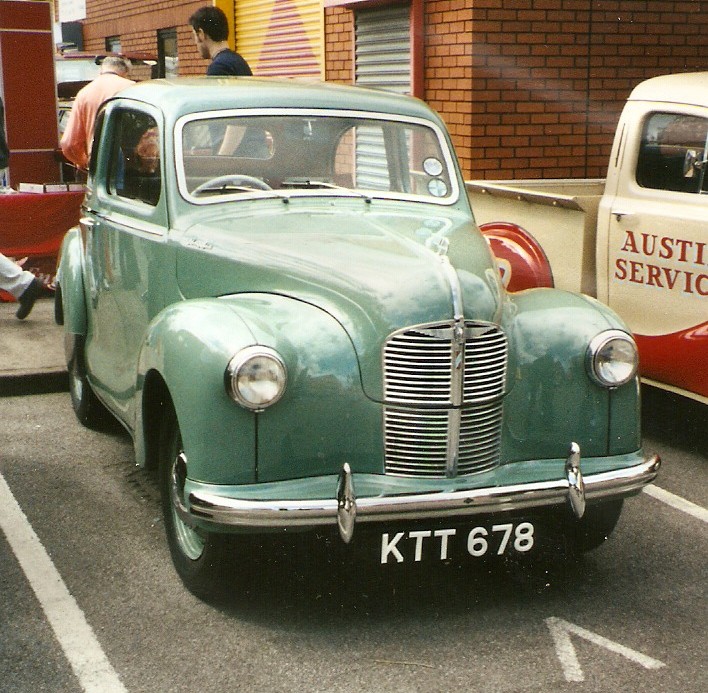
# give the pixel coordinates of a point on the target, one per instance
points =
(339, 45)
(448, 70)
(533, 88)
(137, 23)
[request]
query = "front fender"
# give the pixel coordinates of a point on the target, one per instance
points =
(188, 346)
(71, 282)
(552, 400)
(308, 431)
(324, 417)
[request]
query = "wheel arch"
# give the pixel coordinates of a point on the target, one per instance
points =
(155, 400)
(72, 311)
(522, 261)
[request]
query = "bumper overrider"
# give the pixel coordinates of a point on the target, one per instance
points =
(346, 510)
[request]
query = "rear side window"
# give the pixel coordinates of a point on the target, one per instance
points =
(674, 153)
(134, 169)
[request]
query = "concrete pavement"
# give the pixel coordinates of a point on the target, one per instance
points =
(31, 351)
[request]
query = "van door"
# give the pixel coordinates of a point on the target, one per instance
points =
(658, 246)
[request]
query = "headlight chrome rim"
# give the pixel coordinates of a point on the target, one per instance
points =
(602, 364)
(242, 385)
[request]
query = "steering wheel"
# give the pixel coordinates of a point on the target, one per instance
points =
(231, 181)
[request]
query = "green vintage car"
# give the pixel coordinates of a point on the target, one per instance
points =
(279, 290)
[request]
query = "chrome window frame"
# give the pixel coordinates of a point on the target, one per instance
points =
(449, 160)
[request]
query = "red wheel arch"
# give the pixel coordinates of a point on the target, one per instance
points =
(522, 262)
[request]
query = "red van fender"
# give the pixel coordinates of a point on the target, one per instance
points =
(521, 260)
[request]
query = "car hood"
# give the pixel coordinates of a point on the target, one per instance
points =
(373, 272)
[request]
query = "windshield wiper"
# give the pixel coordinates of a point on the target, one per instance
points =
(229, 189)
(308, 183)
(225, 189)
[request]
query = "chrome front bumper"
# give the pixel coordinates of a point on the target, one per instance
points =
(345, 509)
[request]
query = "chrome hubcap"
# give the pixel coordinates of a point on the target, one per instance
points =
(189, 540)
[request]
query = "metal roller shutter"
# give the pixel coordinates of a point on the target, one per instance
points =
(281, 38)
(382, 61)
(383, 49)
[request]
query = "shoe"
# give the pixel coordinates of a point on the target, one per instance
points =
(29, 296)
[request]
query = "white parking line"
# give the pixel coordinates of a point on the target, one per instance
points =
(677, 502)
(68, 622)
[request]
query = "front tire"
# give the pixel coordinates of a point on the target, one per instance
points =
(202, 559)
(596, 525)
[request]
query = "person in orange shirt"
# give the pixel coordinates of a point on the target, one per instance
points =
(78, 136)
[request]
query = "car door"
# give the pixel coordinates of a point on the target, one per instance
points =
(658, 246)
(126, 231)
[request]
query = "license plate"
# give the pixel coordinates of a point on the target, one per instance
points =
(456, 543)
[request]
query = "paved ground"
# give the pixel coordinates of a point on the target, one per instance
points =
(31, 351)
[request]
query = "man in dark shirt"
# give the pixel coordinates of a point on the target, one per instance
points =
(211, 32)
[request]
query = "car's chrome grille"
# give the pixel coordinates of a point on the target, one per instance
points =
(480, 437)
(443, 386)
(418, 366)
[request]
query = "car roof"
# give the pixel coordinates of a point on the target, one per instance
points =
(684, 88)
(183, 95)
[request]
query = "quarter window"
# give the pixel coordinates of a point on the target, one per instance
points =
(674, 153)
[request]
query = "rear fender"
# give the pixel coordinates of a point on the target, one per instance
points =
(522, 262)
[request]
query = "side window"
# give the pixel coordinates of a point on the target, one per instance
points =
(134, 169)
(674, 153)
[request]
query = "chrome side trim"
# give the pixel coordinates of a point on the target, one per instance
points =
(274, 514)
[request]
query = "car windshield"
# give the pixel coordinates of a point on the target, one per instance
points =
(322, 153)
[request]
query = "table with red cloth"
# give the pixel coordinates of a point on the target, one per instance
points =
(33, 225)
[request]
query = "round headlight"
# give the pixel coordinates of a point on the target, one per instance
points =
(612, 358)
(256, 377)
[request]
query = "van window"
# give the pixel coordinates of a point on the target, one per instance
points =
(674, 153)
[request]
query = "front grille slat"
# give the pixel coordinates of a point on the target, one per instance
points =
(418, 388)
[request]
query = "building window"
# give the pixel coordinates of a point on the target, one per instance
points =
(167, 52)
(113, 44)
